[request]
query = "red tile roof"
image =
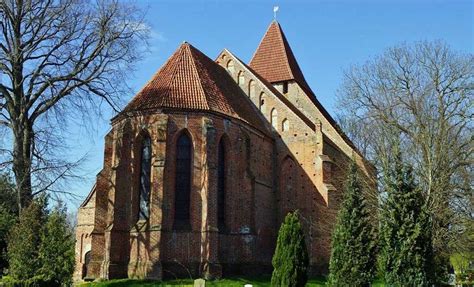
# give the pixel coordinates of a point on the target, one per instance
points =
(189, 80)
(274, 60)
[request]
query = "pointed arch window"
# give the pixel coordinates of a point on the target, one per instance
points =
(274, 118)
(183, 181)
(230, 67)
(241, 79)
(262, 103)
(221, 184)
(285, 125)
(145, 172)
(251, 92)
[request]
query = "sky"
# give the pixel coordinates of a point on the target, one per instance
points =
(326, 37)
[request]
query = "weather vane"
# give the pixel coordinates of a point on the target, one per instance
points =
(275, 10)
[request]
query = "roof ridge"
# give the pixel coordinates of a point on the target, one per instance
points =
(175, 67)
(281, 35)
(195, 69)
(148, 83)
(259, 44)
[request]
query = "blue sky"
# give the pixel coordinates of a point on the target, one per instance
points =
(326, 37)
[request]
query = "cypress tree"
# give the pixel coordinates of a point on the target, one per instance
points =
(406, 256)
(353, 248)
(24, 241)
(56, 252)
(290, 261)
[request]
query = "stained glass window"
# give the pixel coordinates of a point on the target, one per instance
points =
(145, 171)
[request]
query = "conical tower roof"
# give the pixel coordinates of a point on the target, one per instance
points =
(191, 81)
(274, 60)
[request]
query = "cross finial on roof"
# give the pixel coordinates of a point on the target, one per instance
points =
(275, 10)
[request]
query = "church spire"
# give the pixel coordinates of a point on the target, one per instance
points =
(274, 60)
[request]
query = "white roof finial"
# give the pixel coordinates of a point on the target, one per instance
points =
(275, 10)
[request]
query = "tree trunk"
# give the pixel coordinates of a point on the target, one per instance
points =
(22, 127)
(22, 144)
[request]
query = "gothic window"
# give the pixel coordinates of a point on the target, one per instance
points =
(285, 125)
(230, 67)
(221, 184)
(183, 181)
(262, 103)
(87, 260)
(274, 118)
(241, 79)
(251, 89)
(145, 171)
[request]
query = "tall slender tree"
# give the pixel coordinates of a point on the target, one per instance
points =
(406, 255)
(353, 246)
(290, 261)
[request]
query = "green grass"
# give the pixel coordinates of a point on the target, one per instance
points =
(231, 282)
(378, 283)
(138, 283)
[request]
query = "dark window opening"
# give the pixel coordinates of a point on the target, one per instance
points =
(221, 186)
(87, 260)
(183, 182)
(285, 87)
(145, 171)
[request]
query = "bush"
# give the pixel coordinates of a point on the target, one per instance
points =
(24, 241)
(8, 216)
(41, 247)
(7, 220)
(56, 252)
(290, 261)
(37, 281)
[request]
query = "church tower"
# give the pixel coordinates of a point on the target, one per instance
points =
(275, 62)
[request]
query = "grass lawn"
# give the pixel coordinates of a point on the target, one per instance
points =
(231, 282)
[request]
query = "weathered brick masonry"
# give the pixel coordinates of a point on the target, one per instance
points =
(256, 144)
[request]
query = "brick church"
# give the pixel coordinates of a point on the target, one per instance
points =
(203, 164)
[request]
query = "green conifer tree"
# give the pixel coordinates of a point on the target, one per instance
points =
(353, 246)
(290, 261)
(406, 255)
(24, 241)
(56, 252)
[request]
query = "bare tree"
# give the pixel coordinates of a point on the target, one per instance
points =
(59, 59)
(423, 96)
